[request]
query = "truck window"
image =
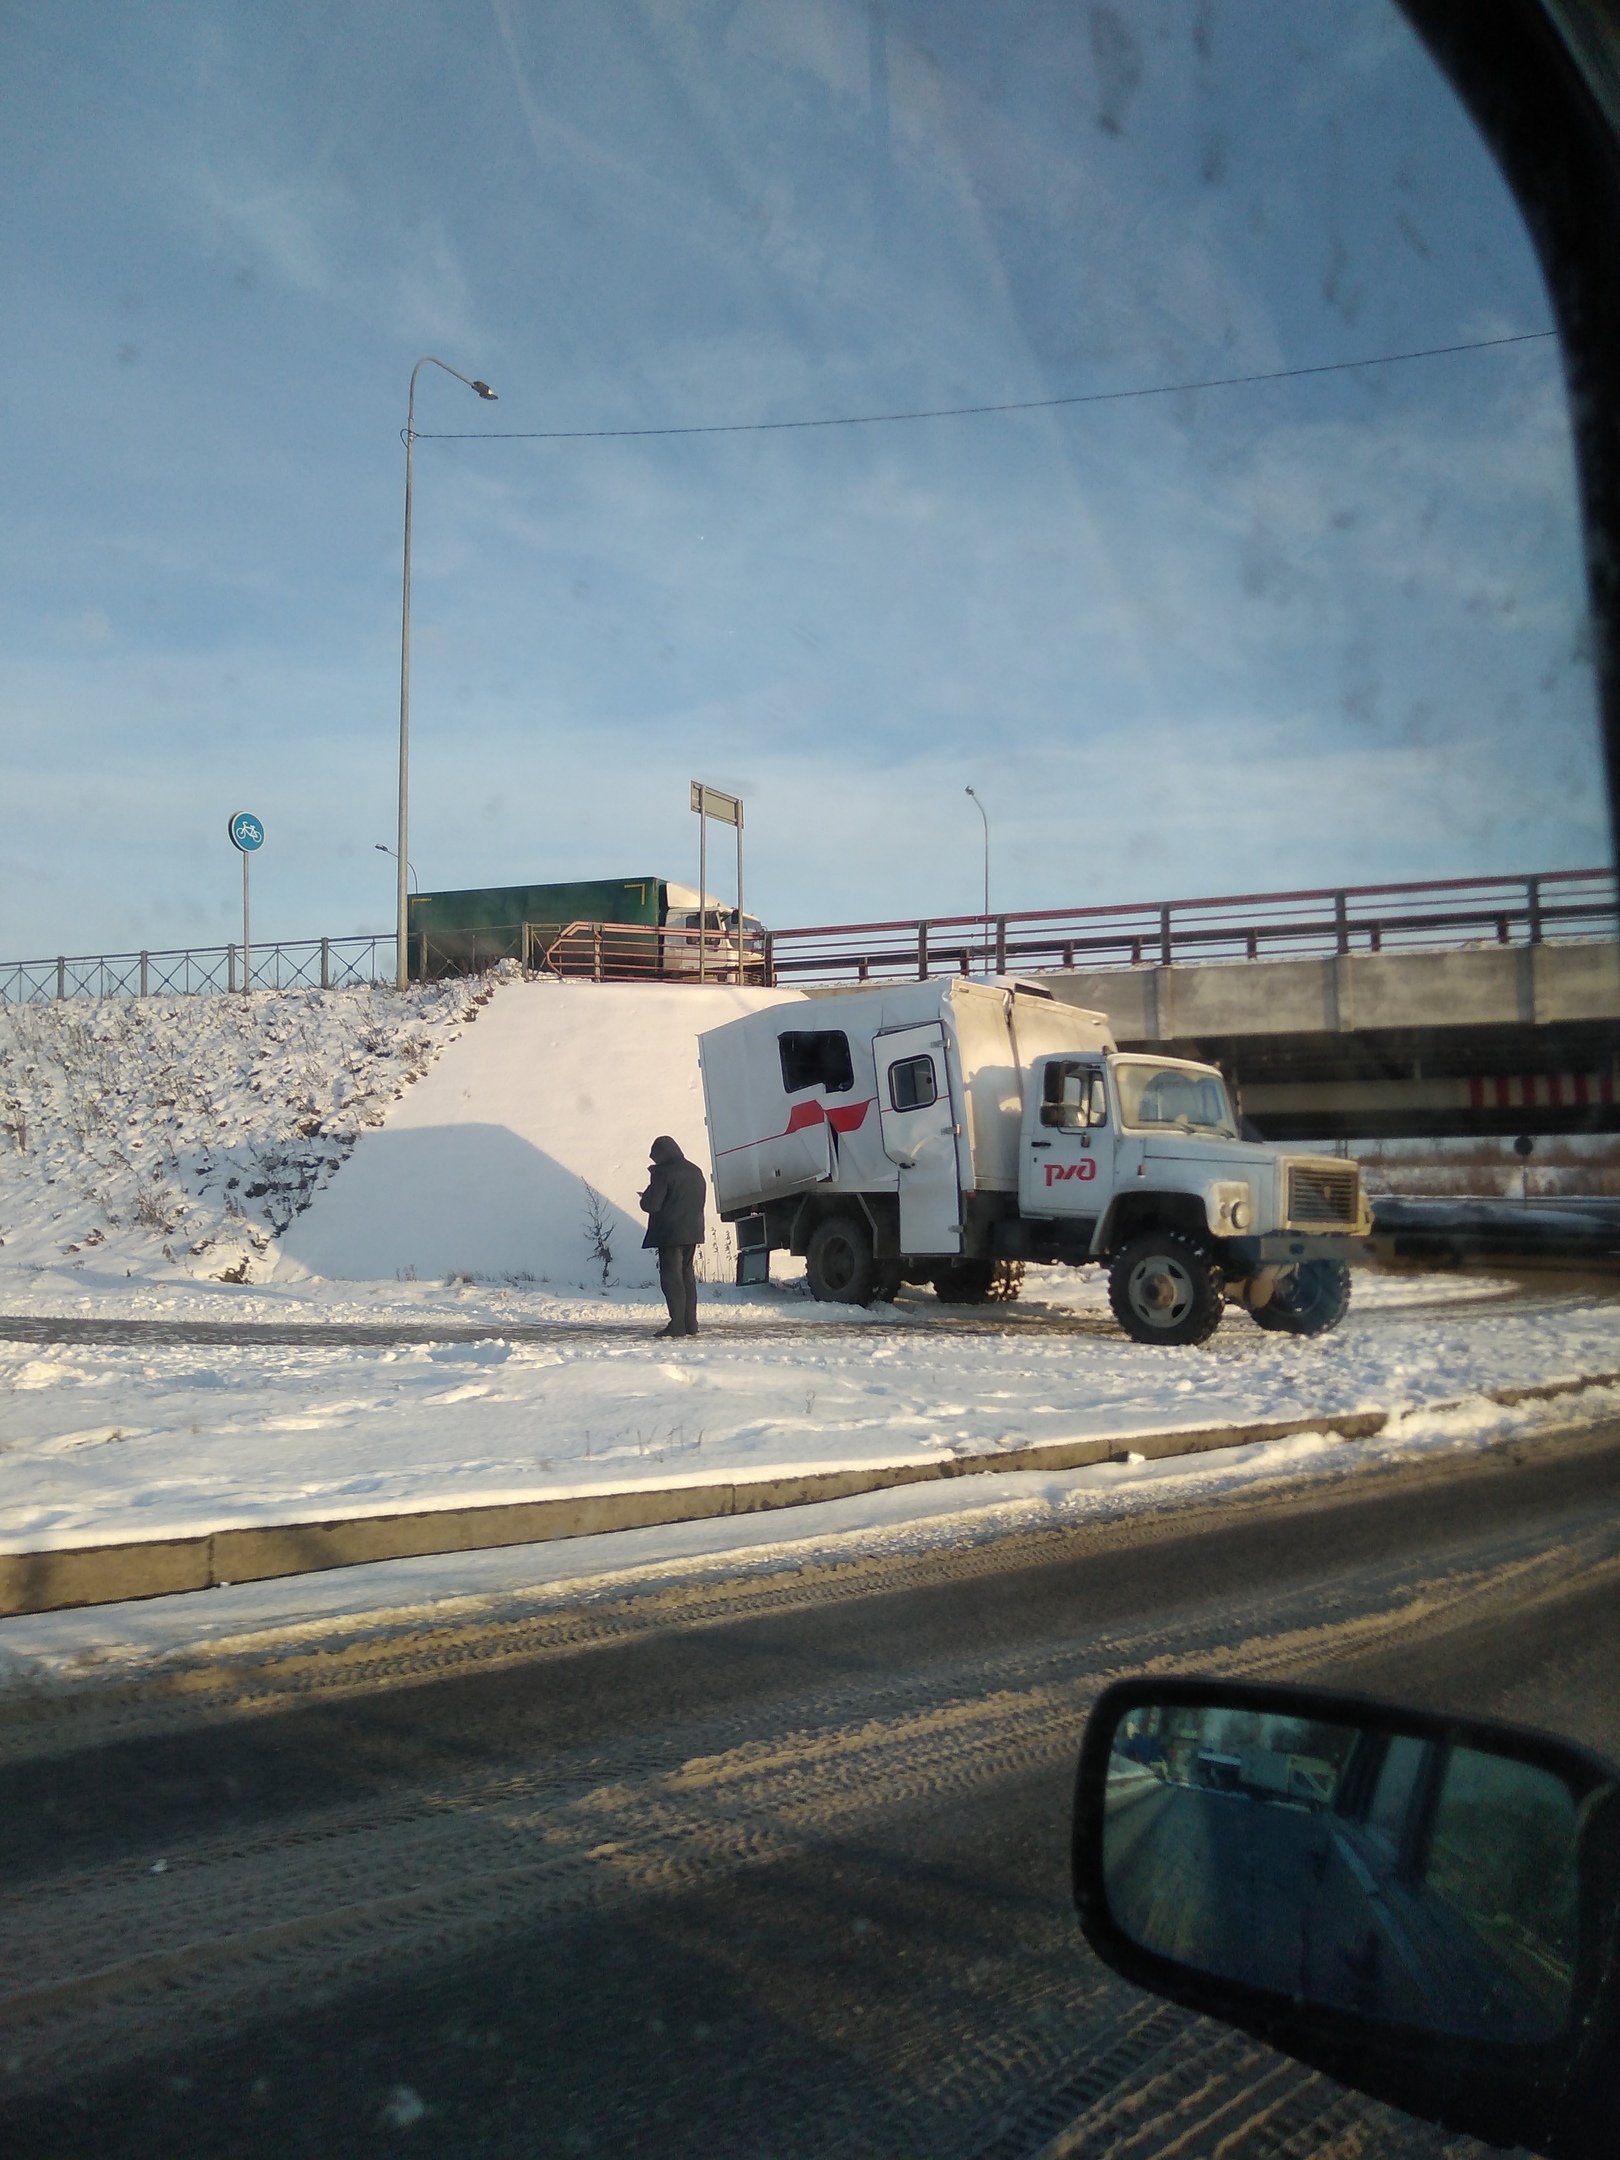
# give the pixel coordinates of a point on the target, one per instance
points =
(819, 1059)
(1156, 1095)
(1073, 1096)
(912, 1085)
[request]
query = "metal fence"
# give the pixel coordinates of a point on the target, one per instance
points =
(308, 964)
(1430, 915)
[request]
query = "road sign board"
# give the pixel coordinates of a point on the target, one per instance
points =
(246, 831)
(709, 802)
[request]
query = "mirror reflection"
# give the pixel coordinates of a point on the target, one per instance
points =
(1353, 1868)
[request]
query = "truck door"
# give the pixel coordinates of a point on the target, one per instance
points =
(919, 1134)
(1067, 1151)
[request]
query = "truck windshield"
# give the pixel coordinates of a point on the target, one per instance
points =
(1169, 1095)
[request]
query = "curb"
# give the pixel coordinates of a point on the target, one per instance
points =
(36, 1582)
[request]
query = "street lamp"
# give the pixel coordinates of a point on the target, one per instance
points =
(979, 806)
(484, 391)
(381, 850)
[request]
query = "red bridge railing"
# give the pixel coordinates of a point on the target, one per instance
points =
(1428, 915)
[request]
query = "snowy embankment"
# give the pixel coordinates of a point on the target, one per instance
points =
(156, 1139)
(149, 1144)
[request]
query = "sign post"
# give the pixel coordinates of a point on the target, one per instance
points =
(247, 837)
(709, 803)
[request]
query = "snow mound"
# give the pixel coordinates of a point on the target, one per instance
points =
(520, 1156)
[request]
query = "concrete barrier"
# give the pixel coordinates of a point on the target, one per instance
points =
(37, 1582)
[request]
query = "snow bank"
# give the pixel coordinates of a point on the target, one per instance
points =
(103, 1643)
(520, 1156)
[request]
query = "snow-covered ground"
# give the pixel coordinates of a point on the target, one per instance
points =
(125, 1126)
(105, 1442)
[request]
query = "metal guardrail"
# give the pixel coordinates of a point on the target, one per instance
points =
(1428, 915)
(305, 964)
(633, 952)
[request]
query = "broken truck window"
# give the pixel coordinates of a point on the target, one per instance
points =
(819, 1059)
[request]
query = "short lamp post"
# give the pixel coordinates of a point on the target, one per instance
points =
(403, 851)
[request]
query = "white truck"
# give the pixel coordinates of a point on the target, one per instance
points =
(949, 1131)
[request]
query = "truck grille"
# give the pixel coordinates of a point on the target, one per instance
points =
(1320, 1197)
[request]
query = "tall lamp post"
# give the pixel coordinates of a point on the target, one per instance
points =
(484, 391)
(979, 806)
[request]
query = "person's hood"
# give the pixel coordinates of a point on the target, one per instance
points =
(665, 1150)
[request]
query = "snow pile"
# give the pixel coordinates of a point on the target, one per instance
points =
(520, 1156)
(145, 1135)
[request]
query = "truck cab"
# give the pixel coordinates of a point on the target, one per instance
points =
(1146, 1155)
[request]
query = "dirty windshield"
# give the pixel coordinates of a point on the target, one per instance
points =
(1189, 1102)
(616, 618)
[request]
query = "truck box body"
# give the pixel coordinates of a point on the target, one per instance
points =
(809, 1096)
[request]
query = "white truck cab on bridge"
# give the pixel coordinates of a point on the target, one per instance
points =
(949, 1131)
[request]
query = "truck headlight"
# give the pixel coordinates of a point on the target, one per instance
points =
(1231, 1209)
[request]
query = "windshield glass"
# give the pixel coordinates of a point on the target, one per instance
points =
(1171, 1095)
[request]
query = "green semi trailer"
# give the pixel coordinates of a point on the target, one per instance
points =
(635, 928)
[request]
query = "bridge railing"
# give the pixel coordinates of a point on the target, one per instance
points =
(1428, 915)
(188, 971)
(1432, 914)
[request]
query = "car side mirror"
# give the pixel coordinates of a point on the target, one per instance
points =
(1426, 1908)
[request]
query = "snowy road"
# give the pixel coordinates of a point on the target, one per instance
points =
(762, 1865)
(1415, 1298)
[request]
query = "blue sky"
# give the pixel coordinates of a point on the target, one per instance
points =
(1305, 632)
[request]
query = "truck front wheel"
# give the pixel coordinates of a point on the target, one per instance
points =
(1314, 1298)
(1165, 1288)
(839, 1262)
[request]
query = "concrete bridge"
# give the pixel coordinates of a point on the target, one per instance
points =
(1489, 1039)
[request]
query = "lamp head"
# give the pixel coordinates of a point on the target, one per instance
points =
(484, 391)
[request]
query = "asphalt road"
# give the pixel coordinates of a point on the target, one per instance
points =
(774, 1867)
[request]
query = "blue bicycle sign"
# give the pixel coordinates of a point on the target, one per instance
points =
(247, 832)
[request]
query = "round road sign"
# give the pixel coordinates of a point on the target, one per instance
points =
(247, 832)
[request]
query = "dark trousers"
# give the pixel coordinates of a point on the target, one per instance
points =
(677, 1277)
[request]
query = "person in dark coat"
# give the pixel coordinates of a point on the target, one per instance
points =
(673, 1205)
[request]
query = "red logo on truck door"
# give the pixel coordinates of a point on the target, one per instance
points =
(1085, 1168)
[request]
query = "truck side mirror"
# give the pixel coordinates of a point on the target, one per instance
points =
(1426, 1908)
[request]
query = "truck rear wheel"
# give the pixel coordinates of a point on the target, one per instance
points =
(979, 1282)
(1165, 1288)
(839, 1262)
(1314, 1298)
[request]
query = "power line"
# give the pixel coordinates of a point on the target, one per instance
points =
(963, 412)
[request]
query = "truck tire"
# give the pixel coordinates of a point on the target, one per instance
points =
(1165, 1288)
(1309, 1302)
(978, 1282)
(839, 1262)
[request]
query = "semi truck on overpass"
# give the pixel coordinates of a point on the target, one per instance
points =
(625, 929)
